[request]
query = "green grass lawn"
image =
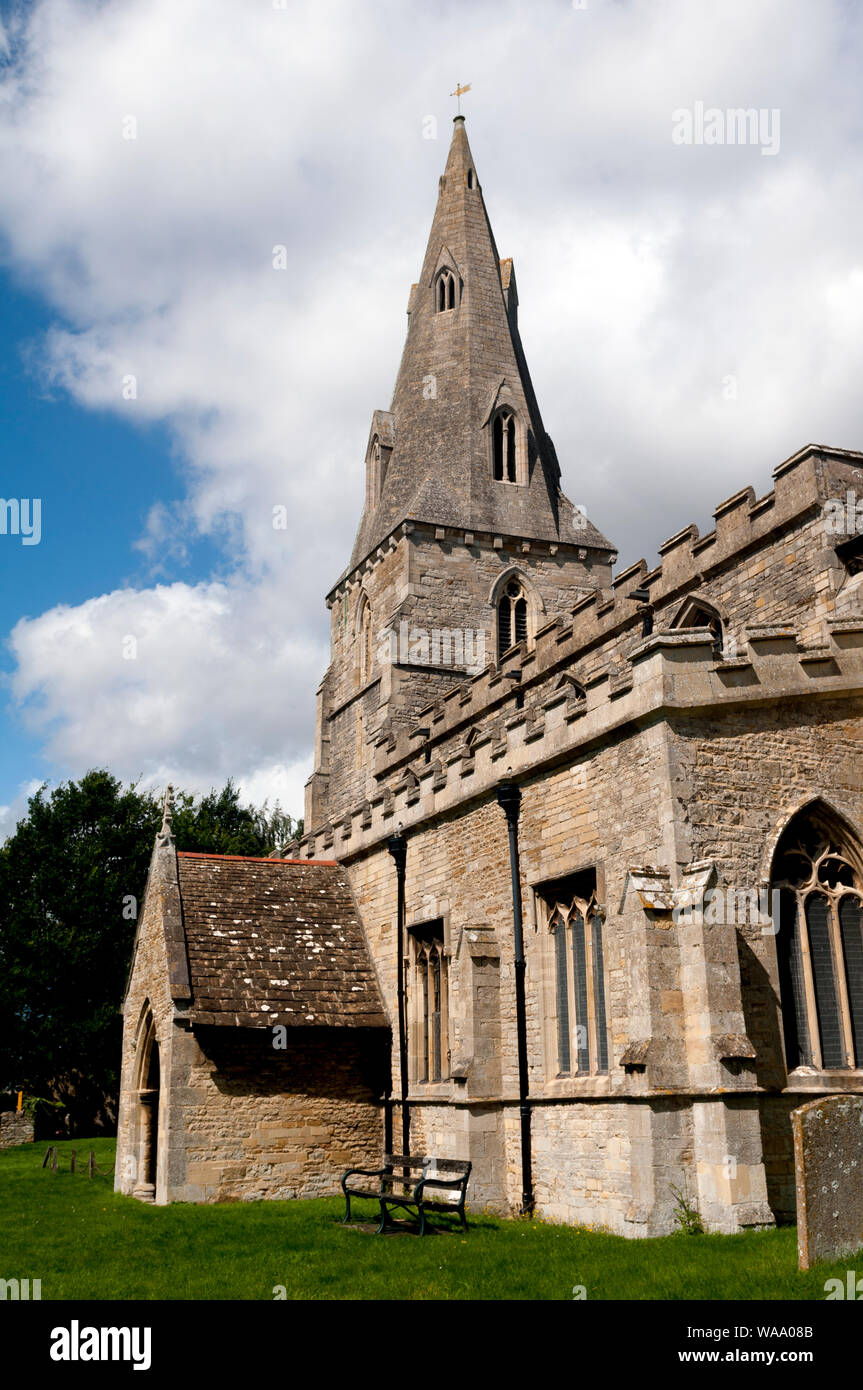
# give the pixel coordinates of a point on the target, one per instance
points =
(85, 1242)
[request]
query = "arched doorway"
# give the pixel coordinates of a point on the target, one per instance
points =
(149, 1076)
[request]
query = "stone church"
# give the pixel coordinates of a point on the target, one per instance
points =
(580, 897)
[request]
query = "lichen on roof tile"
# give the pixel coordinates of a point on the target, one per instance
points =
(239, 913)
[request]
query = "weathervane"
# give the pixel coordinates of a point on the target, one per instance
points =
(459, 93)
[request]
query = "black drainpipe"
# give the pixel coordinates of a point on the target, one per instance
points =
(397, 846)
(509, 797)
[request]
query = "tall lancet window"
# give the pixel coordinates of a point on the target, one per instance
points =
(446, 291)
(512, 623)
(575, 923)
(817, 871)
(428, 1004)
(364, 634)
(505, 447)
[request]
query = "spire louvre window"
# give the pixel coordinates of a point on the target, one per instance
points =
(445, 292)
(505, 447)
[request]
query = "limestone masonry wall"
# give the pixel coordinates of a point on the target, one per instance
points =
(264, 1123)
(16, 1127)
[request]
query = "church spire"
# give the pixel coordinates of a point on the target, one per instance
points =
(463, 443)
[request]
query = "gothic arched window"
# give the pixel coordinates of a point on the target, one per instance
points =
(504, 447)
(576, 927)
(512, 616)
(817, 872)
(445, 295)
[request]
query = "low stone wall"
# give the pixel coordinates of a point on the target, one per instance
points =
(16, 1127)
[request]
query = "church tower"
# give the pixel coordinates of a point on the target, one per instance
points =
(466, 546)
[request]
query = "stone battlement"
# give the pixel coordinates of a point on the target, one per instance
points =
(670, 671)
(584, 678)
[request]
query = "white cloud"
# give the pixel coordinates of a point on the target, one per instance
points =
(16, 809)
(184, 683)
(648, 274)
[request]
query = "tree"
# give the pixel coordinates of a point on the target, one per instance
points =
(71, 879)
(218, 824)
(65, 941)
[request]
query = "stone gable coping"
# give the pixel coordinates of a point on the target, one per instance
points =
(163, 882)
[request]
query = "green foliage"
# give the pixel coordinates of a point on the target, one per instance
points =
(71, 882)
(76, 1234)
(218, 824)
(64, 943)
(40, 1105)
(686, 1215)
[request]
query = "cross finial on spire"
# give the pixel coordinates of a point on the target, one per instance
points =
(459, 93)
(165, 836)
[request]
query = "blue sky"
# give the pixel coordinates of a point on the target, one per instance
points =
(97, 478)
(152, 155)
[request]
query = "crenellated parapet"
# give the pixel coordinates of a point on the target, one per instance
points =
(588, 675)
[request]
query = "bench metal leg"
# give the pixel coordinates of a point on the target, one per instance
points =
(384, 1219)
(347, 1216)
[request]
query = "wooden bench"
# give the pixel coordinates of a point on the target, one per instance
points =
(442, 1187)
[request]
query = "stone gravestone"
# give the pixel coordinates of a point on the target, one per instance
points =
(828, 1163)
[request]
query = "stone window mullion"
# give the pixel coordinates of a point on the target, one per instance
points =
(849, 910)
(599, 1012)
(840, 981)
(813, 1034)
(563, 1005)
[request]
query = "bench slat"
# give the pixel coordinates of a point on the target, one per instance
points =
(443, 1165)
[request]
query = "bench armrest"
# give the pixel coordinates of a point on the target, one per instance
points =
(364, 1173)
